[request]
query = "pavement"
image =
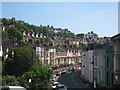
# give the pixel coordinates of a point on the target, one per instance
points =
(63, 68)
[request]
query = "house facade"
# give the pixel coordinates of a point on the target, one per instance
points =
(116, 45)
(97, 65)
(87, 67)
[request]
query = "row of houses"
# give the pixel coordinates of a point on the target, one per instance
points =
(55, 30)
(101, 63)
(60, 50)
(50, 56)
(89, 38)
(93, 38)
(57, 56)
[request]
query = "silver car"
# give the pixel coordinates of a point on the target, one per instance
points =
(61, 87)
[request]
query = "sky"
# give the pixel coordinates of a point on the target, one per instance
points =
(78, 17)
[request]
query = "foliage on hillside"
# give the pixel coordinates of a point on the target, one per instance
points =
(66, 34)
(13, 34)
(26, 26)
(22, 25)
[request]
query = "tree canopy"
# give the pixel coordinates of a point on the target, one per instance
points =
(13, 34)
(40, 77)
(20, 60)
(9, 80)
(6, 22)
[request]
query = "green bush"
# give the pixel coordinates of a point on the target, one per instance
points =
(9, 80)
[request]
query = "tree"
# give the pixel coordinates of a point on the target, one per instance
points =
(25, 26)
(66, 34)
(41, 40)
(71, 34)
(40, 78)
(21, 26)
(21, 61)
(14, 35)
(47, 40)
(82, 45)
(4, 35)
(5, 22)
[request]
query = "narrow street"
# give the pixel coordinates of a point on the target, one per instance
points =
(72, 80)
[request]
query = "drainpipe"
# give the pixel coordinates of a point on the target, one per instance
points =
(94, 81)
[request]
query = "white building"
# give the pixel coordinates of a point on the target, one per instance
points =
(93, 66)
(87, 66)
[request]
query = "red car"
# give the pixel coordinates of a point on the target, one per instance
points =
(58, 73)
(78, 68)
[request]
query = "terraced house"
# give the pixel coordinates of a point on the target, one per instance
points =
(116, 45)
(97, 62)
(53, 49)
(58, 47)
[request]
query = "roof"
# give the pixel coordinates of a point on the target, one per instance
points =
(116, 36)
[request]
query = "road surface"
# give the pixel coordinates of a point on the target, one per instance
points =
(72, 80)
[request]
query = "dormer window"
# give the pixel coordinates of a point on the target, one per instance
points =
(33, 34)
(3, 28)
(24, 33)
(37, 35)
(28, 34)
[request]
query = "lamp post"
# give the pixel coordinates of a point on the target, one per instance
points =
(7, 53)
(12, 53)
(94, 79)
(29, 83)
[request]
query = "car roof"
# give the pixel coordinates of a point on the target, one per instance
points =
(13, 86)
(61, 85)
(56, 82)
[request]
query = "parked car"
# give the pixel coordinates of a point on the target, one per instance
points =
(53, 76)
(78, 68)
(63, 71)
(12, 88)
(57, 73)
(55, 84)
(66, 70)
(71, 69)
(52, 81)
(61, 87)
